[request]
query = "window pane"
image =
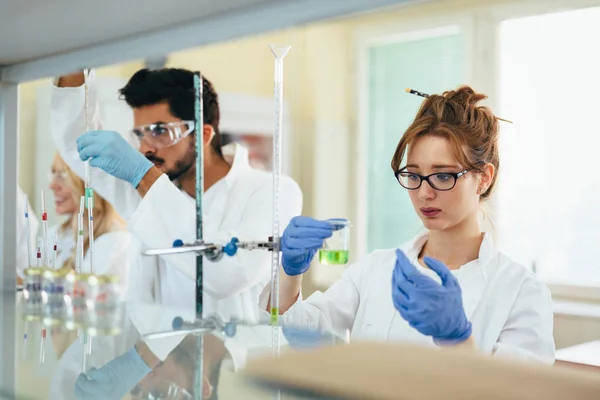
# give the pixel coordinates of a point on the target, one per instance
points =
(430, 65)
(548, 193)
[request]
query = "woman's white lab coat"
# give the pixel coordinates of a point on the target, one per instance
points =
(511, 311)
(111, 251)
(239, 205)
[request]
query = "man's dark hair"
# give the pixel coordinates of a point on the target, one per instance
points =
(174, 86)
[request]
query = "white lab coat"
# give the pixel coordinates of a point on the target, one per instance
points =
(241, 208)
(511, 311)
(111, 251)
(23, 258)
(239, 205)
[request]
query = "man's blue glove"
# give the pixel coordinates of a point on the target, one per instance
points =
(113, 380)
(432, 309)
(301, 239)
(109, 151)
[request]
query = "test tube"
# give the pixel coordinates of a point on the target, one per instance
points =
(29, 263)
(46, 251)
(279, 52)
(91, 232)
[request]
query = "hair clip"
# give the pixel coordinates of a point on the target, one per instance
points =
(416, 92)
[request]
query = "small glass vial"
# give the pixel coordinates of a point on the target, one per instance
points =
(109, 293)
(335, 249)
(32, 288)
(82, 289)
(54, 285)
(54, 289)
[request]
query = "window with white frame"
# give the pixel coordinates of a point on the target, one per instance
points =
(548, 199)
(429, 61)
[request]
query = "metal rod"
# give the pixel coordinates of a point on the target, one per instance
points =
(199, 117)
(201, 248)
(199, 131)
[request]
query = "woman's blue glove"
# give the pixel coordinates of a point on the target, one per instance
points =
(301, 239)
(432, 309)
(113, 380)
(109, 151)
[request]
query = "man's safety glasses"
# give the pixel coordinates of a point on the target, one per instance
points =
(162, 134)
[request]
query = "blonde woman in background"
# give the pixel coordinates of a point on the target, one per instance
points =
(111, 240)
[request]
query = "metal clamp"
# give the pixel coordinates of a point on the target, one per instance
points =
(212, 251)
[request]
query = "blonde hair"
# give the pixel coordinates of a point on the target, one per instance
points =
(106, 218)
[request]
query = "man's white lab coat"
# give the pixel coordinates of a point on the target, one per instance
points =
(239, 205)
(511, 311)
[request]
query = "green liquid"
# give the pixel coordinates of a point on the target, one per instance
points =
(333, 257)
(274, 316)
(89, 193)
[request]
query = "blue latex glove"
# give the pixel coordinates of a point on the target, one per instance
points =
(113, 380)
(432, 309)
(110, 152)
(301, 239)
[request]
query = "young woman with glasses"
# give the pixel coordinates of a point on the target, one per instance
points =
(449, 286)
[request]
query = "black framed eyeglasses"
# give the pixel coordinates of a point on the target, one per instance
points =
(439, 181)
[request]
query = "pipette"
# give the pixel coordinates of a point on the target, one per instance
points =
(45, 227)
(89, 192)
(29, 263)
(79, 252)
(91, 232)
(88, 178)
(38, 261)
(84, 339)
(55, 251)
(279, 52)
(43, 346)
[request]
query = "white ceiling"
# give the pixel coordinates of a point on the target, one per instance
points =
(40, 38)
(31, 29)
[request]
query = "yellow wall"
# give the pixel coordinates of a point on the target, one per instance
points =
(314, 89)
